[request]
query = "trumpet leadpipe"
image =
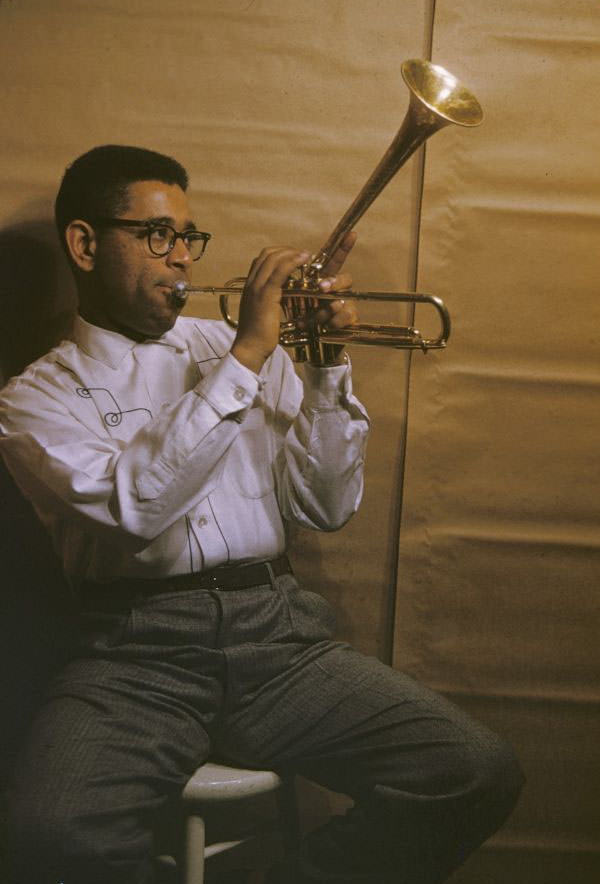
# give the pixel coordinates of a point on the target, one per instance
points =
(315, 292)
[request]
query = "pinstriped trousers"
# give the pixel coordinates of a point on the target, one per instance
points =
(252, 675)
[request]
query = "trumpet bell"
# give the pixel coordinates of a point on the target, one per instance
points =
(437, 99)
(436, 89)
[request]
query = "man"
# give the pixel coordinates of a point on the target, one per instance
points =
(165, 456)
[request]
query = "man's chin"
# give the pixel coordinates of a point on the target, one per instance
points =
(161, 326)
(154, 327)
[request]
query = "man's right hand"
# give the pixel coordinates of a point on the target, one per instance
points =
(260, 311)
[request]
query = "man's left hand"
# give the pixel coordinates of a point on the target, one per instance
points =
(334, 314)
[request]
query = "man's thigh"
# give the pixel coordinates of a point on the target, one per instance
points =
(111, 743)
(351, 723)
(91, 738)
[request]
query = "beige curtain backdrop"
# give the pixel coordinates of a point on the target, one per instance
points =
(474, 564)
(499, 559)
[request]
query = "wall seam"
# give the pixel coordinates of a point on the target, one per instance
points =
(413, 275)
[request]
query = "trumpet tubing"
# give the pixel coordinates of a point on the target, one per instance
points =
(437, 99)
(292, 336)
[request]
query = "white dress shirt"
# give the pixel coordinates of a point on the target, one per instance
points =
(169, 456)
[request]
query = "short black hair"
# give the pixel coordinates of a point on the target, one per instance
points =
(95, 184)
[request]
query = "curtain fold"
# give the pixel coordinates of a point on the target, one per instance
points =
(497, 597)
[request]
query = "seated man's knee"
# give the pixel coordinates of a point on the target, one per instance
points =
(489, 778)
(464, 765)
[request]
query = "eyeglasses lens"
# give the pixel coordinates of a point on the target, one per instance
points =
(161, 240)
(196, 245)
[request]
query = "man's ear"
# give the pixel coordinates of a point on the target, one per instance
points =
(81, 243)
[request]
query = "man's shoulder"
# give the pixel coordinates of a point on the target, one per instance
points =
(55, 362)
(42, 384)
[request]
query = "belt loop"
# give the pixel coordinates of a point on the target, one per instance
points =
(278, 567)
(271, 573)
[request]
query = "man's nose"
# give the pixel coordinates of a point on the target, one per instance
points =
(179, 256)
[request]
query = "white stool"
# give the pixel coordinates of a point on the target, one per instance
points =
(210, 788)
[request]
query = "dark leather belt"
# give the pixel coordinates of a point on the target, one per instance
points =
(235, 577)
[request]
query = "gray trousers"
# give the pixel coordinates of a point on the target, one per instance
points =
(254, 676)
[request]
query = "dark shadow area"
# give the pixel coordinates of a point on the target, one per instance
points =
(37, 299)
(37, 305)
(36, 626)
(34, 612)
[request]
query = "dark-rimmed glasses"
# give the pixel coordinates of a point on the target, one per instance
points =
(162, 237)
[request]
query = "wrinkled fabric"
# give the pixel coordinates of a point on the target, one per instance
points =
(169, 456)
(255, 677)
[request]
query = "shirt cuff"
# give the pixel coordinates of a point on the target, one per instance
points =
(230, 387)
(327, 387)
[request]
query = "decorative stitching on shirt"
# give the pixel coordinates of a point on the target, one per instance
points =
(111, 418)
(189, 540)
(214, 358)
(198, 544)
(200, 362)
(208, 344)
(219, 527)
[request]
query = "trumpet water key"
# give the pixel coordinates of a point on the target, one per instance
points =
(437, 99)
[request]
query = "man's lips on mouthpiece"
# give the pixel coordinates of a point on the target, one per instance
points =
(177, 288)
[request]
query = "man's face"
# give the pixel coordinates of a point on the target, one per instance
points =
(133, 287)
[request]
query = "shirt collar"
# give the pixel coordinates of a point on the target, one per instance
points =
(111, 347)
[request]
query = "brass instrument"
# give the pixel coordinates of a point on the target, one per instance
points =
(437, 99)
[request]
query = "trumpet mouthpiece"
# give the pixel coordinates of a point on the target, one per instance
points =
(180, 292)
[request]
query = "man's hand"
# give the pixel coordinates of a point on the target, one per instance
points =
(260, 310)
(334, 314)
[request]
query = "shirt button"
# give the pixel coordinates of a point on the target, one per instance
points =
(202, 521)
(239, 393)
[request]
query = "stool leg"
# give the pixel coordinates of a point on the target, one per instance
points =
(194, 850)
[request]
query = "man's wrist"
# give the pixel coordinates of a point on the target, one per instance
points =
(248, 357)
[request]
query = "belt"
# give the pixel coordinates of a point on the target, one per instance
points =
(234, 577)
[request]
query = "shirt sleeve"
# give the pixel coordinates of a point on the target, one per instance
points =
(323, 457)
(140, 487)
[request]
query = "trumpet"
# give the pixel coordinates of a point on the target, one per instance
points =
(436, 99)
(293, 336)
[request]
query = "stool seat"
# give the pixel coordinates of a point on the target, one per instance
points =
(216, 782)
(232, 794)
